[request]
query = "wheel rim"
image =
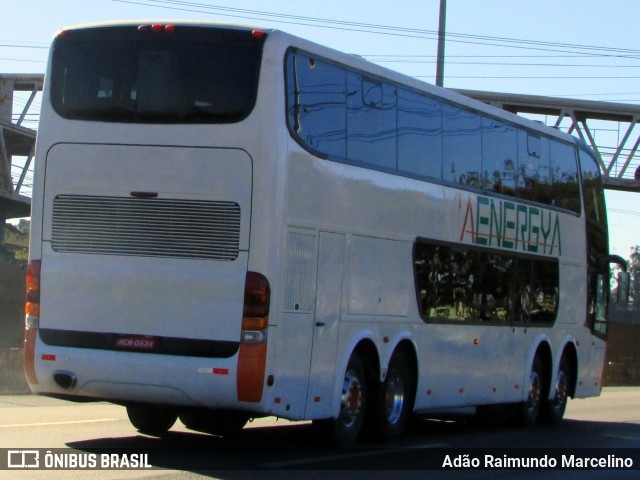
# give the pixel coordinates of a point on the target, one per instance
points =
(562, 389)
(394, 397)
(535, 393)
(351, 400)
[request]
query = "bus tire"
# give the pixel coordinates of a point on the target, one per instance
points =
(151, 420)
(394, 401)
(531, 407)
(345, 429)
(227, 424)
(553, 409)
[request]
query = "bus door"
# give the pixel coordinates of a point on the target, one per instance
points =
(597, 299)
(308, 329)
(322, 374)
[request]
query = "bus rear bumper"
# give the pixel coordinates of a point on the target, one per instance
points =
(125, 377)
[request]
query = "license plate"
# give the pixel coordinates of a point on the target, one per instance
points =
(136, 343)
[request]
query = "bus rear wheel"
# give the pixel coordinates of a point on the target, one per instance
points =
(226, 424)
(394, 400)
(151, 420)
(530, 408)
(345, 429)
(553, 410)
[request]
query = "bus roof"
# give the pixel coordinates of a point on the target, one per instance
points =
(286, 41)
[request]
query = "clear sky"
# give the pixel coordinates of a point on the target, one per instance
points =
(587, 49)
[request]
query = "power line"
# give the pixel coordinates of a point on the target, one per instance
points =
(23, 46)
(196, 7)
(393, 28)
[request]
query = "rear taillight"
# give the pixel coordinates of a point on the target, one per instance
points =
(32, 320)
(32, 308)
(255, 314)
(157, 28)
(252, 357)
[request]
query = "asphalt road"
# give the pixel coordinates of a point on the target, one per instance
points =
(270, 448)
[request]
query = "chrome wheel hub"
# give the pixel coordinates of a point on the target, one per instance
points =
(535, 393)
(394, 397)
(562, 389)
(351, 399)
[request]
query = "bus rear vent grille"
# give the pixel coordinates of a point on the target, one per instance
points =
(150, 227)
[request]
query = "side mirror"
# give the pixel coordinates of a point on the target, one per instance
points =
(624, 282)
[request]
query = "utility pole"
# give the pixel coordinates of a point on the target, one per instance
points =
(441, 33)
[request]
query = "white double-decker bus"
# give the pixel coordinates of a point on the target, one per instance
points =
(230, 223)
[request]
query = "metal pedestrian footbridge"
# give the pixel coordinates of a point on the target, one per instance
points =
(609, 128)
(17, 143)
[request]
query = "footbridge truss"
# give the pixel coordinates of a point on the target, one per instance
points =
(17, 142)
(609, 128)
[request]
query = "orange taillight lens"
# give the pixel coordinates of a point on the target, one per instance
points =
(252, 357)
(32, 320)
(33, 288)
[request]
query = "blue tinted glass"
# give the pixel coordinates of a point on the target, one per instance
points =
(564, 176)
(419, 135)
(119, 74)
(317, 104)
(499, 156)
(371, 126)
(532, 181)
(593, 193)
(461, 146)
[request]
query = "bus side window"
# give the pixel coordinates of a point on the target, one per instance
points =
(461, 146)
(469, 284)
(532, 180)
(545, 283)
(499, 156)
(599, 312)
(371, 122)
(317, 97)
(419, 135)
(564, 176)
(372, 93)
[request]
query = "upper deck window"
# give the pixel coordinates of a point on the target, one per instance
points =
(126, 74)
(346, 115)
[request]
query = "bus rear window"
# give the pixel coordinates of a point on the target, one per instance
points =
(185, 75)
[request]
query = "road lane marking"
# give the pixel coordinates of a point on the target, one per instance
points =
(49, 424)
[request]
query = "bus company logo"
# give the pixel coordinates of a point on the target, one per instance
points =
(136, 343)
(22, 459)
(499, 223)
